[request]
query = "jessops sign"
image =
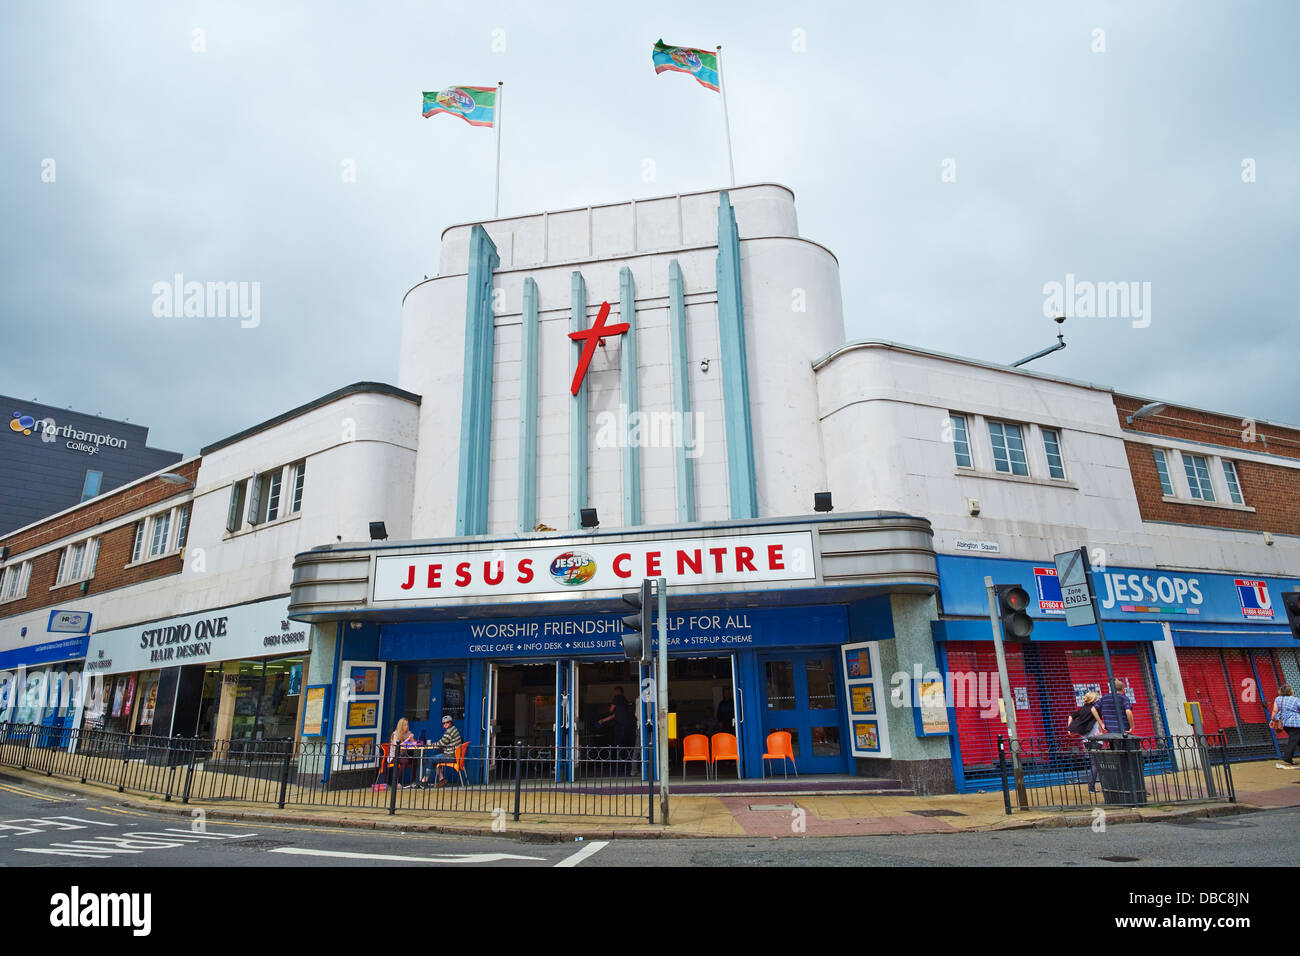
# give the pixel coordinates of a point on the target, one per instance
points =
(262, 629)
(1123, 593)
(564, 571)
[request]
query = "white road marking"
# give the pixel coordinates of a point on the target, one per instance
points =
(589, 850)
(455, 858)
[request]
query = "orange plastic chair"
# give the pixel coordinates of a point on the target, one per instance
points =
(696, 747)
(724, 748)
(383, 765)
(457, 763)
(779, 748)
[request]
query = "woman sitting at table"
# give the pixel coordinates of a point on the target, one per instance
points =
(402, 736)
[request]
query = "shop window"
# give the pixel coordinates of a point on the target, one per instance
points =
(13, 581)
(1052, 446)
(780, 685)
(1198, 477)
(961, 441)
(235, 515)
(77, 562)
(822, 694)
(1234, 486)
(1008, 448)
(1162, 469)
(418, 688)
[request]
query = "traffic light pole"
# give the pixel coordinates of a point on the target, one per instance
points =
(1009, 703)
(661, 685)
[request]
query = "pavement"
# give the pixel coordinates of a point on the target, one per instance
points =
(1259, 786)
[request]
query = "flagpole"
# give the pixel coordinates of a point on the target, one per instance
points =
(496, 204)
(726, 122)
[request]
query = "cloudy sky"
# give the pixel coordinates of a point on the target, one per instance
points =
(957, 157)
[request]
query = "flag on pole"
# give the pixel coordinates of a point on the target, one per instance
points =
(701, 64)
(476, 105)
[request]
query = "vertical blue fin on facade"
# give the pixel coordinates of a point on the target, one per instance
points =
(476, 393)
(631, 400)
(528, 365)
(685, 466)
(577, 408)
(735, 368)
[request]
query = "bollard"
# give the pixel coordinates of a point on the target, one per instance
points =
(126, 746)
(519, 775)
(1002, 769)
(284, 776)
(189, 775)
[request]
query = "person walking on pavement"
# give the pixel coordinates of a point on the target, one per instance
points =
(1086, 724)
(620, 712)
(1111, 707)
(1286, 712)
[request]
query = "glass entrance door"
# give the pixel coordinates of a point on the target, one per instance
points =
(802, 691)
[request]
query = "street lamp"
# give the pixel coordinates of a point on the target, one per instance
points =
(1147, 410)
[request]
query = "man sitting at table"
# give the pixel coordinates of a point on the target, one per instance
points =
(447, 744)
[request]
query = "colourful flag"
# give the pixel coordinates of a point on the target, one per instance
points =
(700, 64)
(476, 105)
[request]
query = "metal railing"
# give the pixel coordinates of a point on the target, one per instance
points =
(545, 781)
(1114, 770)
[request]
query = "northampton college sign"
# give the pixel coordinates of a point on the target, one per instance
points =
(566, 570)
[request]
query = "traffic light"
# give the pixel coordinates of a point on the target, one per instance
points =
(638, 645)
(1013, 604)
(1291, 602)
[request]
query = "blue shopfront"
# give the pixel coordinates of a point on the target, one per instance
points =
(549, 680)
(43, 683)
(1172, 635)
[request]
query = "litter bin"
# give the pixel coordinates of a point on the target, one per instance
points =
(1119, 769)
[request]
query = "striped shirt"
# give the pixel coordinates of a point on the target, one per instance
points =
(449, 741)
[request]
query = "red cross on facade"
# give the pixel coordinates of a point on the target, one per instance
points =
(593, 335)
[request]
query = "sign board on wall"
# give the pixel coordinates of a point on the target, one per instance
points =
(260, 629)
(564, 571)
(865, 691)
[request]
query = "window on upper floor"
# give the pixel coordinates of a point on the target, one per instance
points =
(1230, 479)
(1162, 469)
(14, 580)
(299, 476)
(961, 441)
(161, 528)
(77, 562)
(1052, 448)
(90, 487)
(1198, 477)
(161, 534)
(183, 531)
(137, 549)
(266, 497)
(1008, 448)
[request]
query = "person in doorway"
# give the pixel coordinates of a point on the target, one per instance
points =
(401, 736)
(1115, 711)
(446, 745)
(726, 716)
(1286, 716)
(620, 713)
(1086, 724)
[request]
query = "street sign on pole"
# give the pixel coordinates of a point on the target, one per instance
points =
(1076, 588)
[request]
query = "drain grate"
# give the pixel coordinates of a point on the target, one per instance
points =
(1120, 859)
(936, 813)
(787, 807)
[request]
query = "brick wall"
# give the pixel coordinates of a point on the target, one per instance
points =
(114, 546)
(1270, 489)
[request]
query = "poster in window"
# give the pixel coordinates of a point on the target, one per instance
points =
(1021, 695)
(358, 748)
(363, 715)
(150, 701)
(313, 710)
(859, 663)
(931, 711)
(129, 700)
(119, 694)
(866, 735)
(862, 698)
(365, 680)
(295, 679)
